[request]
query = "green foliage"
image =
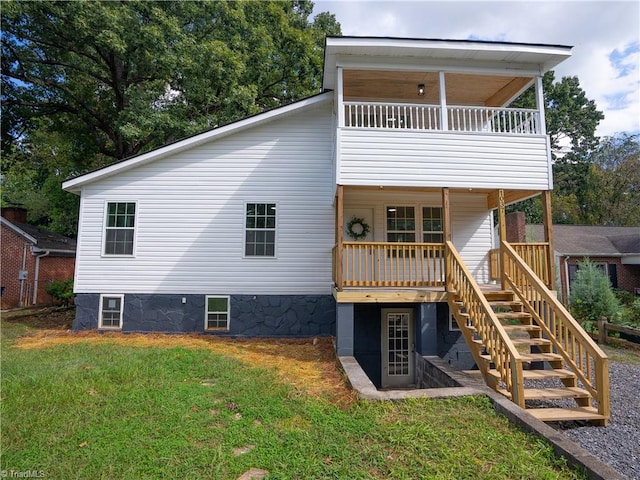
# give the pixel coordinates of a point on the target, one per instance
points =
(86, 83)
(61, 290)
(113, 411)
(631, 314)
(591, 296)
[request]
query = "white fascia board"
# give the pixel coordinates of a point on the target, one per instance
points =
(18, 230)
(414, 64)
(74, 185)
(533, 58)
(633, 259)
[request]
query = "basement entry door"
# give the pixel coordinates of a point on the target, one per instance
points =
(397, 347)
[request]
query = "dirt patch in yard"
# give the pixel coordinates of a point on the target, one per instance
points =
(309, 365)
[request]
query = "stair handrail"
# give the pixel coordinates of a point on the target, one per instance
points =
(570, 340)
(503, 353)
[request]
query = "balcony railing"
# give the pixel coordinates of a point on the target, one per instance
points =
(386, 264)
(405, 116)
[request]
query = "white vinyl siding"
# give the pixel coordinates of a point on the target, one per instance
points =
(429, 159)
(470, 220)
(191, 214)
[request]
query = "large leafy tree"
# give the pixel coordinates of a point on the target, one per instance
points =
(102, 80)
(571, 120)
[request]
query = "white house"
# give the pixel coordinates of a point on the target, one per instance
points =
(363, 212)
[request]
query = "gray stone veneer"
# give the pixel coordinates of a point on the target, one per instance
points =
(251, 315)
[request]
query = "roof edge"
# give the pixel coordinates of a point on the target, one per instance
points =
(18, 230)
(75, 184)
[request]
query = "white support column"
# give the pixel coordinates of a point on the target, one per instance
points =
(339, 88)
(444, 119)
(340, 115)
(540, 105)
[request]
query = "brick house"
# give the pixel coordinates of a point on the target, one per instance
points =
(31, 258)
(614, 249)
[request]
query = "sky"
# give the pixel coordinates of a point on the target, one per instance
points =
(605, 36)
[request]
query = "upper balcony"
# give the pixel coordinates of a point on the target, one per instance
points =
(436, 113)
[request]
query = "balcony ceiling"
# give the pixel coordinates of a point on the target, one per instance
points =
(462, 89)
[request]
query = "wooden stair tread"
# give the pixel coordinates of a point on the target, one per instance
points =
(505, 303)
(539, 374)
(514, 315)
(566, 414)
(530, 341)
(540, 357)
(521, 328)
(553, 393)
(532, 357)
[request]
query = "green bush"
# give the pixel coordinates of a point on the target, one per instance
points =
(631, 314)
(592, 297)
(61, 290)
(625, 298)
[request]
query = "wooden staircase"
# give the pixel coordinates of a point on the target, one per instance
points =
(528, 347)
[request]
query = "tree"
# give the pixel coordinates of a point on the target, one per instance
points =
(571, 120)
(591, 295)
(110, 80)
(612, 196)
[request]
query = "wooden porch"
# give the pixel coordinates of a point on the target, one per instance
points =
(509, 326)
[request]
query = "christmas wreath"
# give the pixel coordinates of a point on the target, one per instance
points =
(357, 228)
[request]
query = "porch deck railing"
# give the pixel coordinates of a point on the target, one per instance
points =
(386, 264)
(535, 255)
(579, 352)
(410, 116)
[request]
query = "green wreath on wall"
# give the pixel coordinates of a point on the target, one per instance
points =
(357, 228)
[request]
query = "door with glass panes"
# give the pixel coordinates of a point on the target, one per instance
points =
(397, 347)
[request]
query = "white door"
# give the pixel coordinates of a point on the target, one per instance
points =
(397, 347)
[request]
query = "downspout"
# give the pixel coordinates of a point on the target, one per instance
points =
(24, 267)
(566, 277)
(37, 275)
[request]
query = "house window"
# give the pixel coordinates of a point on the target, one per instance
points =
(401, 224)
(120, 228)
(260, 234)
(609, 269)
(432, 225)
(217, 315)
(111, 307)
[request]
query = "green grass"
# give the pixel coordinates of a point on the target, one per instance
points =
(109, 411)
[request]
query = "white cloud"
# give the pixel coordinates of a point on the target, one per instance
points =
(604, 34)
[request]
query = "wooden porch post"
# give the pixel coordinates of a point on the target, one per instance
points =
(446, 227)
(339, 234)
(502, 222)
(547, 220)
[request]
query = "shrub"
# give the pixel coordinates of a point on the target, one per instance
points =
(592, 297)
(631, 315)
(61, 290)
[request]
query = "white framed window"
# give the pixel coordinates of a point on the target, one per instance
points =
(119, 230)
(453, 323)
(260, 230)
(217, 313)
(401, 224)
(432, 230)
(111, 309)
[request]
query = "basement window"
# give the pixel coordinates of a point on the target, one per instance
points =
(111, 307)
(217, 314)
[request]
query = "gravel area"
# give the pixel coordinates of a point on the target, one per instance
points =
(617, 444)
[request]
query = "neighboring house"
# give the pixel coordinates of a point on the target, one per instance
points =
(363, 212)
(614, 249)
(31, 259)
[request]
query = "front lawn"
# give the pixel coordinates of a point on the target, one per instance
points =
(96, 406)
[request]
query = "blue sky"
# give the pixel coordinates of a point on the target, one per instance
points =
(605, 36)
